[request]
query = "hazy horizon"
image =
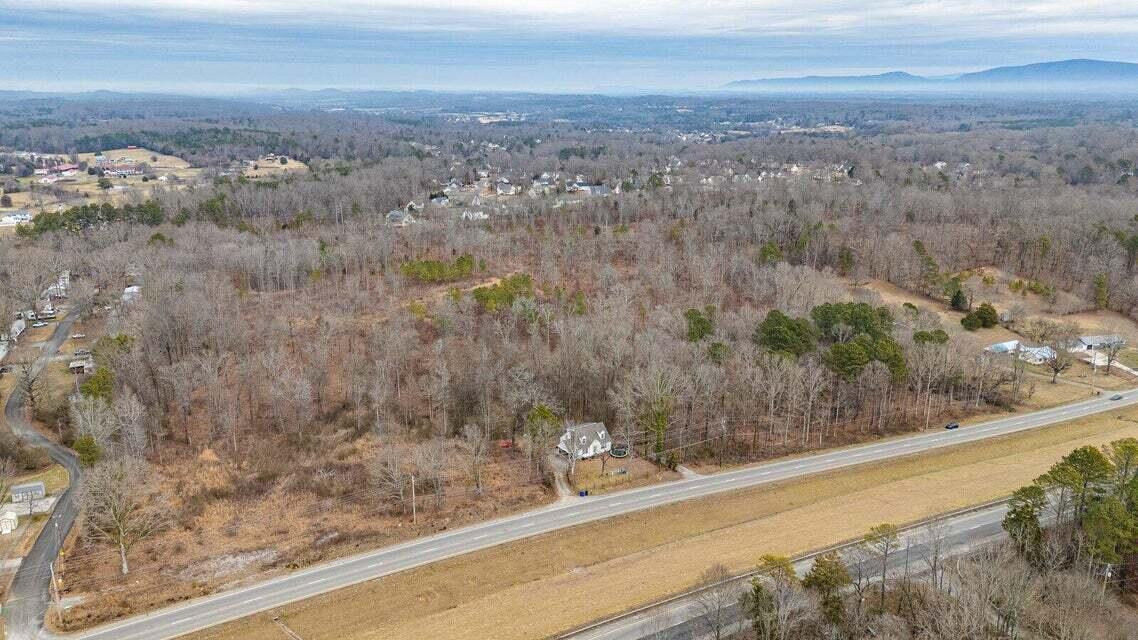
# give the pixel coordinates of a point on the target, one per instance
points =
(225, 48)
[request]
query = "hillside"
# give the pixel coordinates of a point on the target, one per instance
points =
(1057, 76)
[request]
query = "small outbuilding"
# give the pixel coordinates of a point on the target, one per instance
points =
(8, 522)
(585, 440)
(29, 491)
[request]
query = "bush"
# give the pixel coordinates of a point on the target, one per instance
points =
(971, 322)
(89, 451)
(437, 270)
(503, 294)
(987, 316)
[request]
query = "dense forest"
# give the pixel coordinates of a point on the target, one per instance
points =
(289, 343)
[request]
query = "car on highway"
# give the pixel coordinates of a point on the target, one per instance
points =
(1117, 396)
(952, 425)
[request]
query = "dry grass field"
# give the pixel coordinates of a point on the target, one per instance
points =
(83, 188)
(602, 568)
(272, 168)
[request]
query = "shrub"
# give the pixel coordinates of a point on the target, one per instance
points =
(987, 315)
(503, 294)
(971, 322)
(437, 270)
(89, 451)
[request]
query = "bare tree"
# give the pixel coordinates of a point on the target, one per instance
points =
(430, 465)
(121, 505)
(30, 385)
(391, 479)
(476, 444)
(91, 416)
(8, 470)
(133, 423)
(714, 600)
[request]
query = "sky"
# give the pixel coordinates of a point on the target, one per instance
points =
(236, 46)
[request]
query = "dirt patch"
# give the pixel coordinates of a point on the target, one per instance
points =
(649, 555)
(228, 565)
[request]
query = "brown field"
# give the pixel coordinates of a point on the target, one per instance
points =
(83, 188)
(649, 555)
(272, 168)
(1067, 307)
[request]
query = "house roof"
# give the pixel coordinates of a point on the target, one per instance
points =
(1103, 339)
(590, 438)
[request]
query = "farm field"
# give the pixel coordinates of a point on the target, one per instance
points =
(652, 554)
(82, 188)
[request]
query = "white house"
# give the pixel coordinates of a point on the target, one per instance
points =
(1036, 355)
(8, 522)
(131, 294)
(585, 440)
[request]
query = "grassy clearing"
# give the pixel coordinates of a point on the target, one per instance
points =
(602, 568)
(55, 479)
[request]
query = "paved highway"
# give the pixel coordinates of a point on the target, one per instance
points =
(681, 618)
(212, 610)
(30, 593)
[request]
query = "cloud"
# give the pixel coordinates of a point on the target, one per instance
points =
(924, 19)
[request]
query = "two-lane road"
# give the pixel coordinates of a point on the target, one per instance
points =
(681, 618)
(209, 611)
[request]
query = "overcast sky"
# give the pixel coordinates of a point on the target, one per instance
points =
(219, 46)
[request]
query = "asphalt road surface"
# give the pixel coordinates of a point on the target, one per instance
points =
(682, 618)
(30, 593)
(216, 609)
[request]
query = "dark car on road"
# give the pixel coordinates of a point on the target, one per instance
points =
(952, 425)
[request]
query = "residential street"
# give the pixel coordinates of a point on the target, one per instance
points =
(209, 611)
(30, 594)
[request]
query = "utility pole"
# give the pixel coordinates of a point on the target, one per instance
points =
(55, 595)
(414, 511)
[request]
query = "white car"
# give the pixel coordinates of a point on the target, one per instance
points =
(37, 325)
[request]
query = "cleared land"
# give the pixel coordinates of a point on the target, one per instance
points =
(603, 568)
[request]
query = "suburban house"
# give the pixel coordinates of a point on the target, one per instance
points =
(504, 188)
(81, 366)
(8, 522)
(399, 218)
(1089, 343)
(585, 440)
(29, 491)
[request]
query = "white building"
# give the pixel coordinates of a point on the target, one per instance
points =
(585, 440)
(8, 522)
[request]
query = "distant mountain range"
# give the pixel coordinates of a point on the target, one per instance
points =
(1043, 77)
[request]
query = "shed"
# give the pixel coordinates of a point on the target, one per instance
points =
(585, 440)
(29, 491)
(8, 522)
